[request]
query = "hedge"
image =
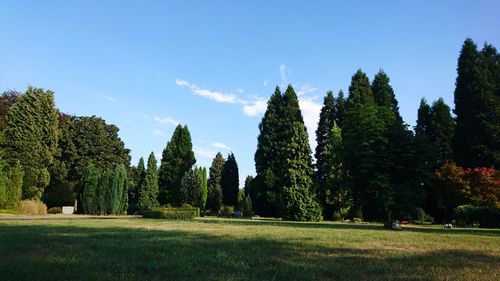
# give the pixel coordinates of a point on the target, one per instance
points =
(181, 213)
(467, 215)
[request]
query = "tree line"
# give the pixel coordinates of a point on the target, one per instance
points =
(369, 164)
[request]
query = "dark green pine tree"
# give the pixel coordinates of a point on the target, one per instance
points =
(441, 129)
(31, 137)
(230, 181)
(360, 91)
(191, 187)
(204, 188)
(139, 174)
(266, 188)
(89, 186)
(340, 108)
(148, 191)
(327, 118)
(214, 196)
(297, 199)
(177, 159)
(383, 93)
(477, 107)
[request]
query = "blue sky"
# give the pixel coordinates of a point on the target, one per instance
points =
(148, 65)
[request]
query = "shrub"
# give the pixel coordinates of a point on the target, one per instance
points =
(468, 215)
(32, 207)
(54, 210)
(357, 220)
(181, 213)
(246, 207)
(422, 217)
(336, 217)
(227, 211)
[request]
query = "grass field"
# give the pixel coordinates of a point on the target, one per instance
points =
(223, 249)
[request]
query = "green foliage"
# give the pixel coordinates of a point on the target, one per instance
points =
(89, 186)
(118, 191)
(11, 183)
(148, 190)
(360, 91)
(246, 207)
(227, 211)
(340, 108)
(136, 180)
(477, 107)
(191, 189)
(214, 196)
(31, 138)
(177, 159)
(230, 181)
(468, 215)
(181, 213)
(204, 188)
(383, 93)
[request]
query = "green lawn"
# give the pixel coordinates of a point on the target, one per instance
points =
(223, 249)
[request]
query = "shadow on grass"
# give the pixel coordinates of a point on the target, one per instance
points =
(349, 226)
(44, 252)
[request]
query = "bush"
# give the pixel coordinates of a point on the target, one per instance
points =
(181, 213)
(422, 217)
(468, 215)
(336, 217)
(54, 210)
(32, 207)
(357, 220)
(227, 211)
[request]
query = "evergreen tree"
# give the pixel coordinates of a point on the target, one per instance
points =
(327, 118)
(335, 194)
(89, 186)
(11, 182)
(383, 93)
(148, 191)
(477, 107)
(366, 150)
(230, 181)
(360, 91)
(118, 191)
(248, 185)
(267, 158)
(204, 188)
(214, 196)
(31, 138)
(340, 108)
(177, 159)
(440, 130)
(104, 195)
(139, 174)
(191, 187)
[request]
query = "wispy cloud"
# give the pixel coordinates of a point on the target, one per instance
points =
(283, 73)
(249, 107)
(201, 152)
(265, 82)
(166, 121)
(157, 132)
(216, 96)
(306, 89)
(111, 99)
(254, 108)
(221, 145)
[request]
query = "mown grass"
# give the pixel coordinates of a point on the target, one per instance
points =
(223, 249)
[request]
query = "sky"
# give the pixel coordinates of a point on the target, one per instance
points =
(147, 66)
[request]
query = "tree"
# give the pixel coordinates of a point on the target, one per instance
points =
(383, 93)
(214, 196)
(230, 181)
(335, 194)
(118, 191)
(11, 182)
(204, 188)
(366, 150)
(148, 191)
(89, 186)
(340, 108)
(360, 91)
(31, 138)
(246, 207)
(191, 189)
(327, 118)
(136, 180)
(177, 159)
(477, 107)
(441, 128)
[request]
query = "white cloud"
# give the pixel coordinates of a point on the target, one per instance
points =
(283, 73)
(265, 82)
(157, 132)
(306, 89)
(167, 121)
(111, 99)
(254, 108)
(201, 152)
(310, 112)
(239, 91)
(216, 96)
(221, 145)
